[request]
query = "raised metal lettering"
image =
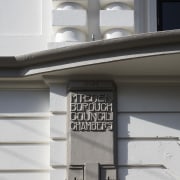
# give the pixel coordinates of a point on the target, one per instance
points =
(91, 111)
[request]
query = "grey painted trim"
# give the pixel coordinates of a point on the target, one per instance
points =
(145, 16)
(140, 16)
(152, 15)
(17, 66)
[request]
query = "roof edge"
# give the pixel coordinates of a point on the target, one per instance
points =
(92, 48)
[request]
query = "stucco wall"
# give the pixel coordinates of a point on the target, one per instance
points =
(36, 25)
(148, 131)
(25, 26)
(24, 134)
(33, 132)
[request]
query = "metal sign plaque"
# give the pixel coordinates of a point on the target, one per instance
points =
(91, 111)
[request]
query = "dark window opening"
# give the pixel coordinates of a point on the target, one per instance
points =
(168, 14)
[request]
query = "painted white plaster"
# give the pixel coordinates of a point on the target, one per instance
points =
(58, 131)
(95, 23)
(117, 6)
(104, 3)
(24, 157)
(70, 35)
(58, 98)
(58, 126)
(151, 98)
(69, 6)
(108, 19)
(152, 125)
(69, 18)
(156, 152)
(82, 3)
(148, 131)
(24, 101)
(116, 33)
(25, 176)
(58, 153)
(24, 129)
(18, 45)
(17, 17)
(25, 26)
(57, 174)
(145, 174)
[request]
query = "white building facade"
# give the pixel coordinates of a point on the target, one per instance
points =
(46, 24)
(89, 91)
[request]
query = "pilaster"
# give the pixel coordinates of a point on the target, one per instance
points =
(58, 128)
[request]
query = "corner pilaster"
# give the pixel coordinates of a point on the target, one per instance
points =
(58, 127)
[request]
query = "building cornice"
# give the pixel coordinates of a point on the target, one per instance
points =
(147, 44)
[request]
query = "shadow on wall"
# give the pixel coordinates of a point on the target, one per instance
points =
(24, 101)
(153, 139)
(148, 130)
